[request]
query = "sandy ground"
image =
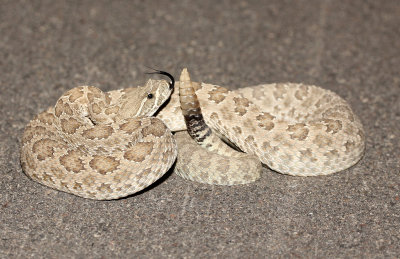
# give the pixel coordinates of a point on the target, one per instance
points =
(350, 47)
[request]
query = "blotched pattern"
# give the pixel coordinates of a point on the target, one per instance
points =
(202, 155)
(294, 129)
(91, 145)
(104, 146)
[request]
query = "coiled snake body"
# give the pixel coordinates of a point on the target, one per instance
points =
(105, 146)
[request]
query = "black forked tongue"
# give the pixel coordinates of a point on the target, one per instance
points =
(171, 84)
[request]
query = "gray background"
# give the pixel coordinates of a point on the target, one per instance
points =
(350, 47)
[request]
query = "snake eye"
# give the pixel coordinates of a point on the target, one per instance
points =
(149, 96)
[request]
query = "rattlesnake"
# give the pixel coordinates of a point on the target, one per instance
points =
(90, 144)
(202, 156)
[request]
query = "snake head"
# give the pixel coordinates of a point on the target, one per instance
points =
(146, 100)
